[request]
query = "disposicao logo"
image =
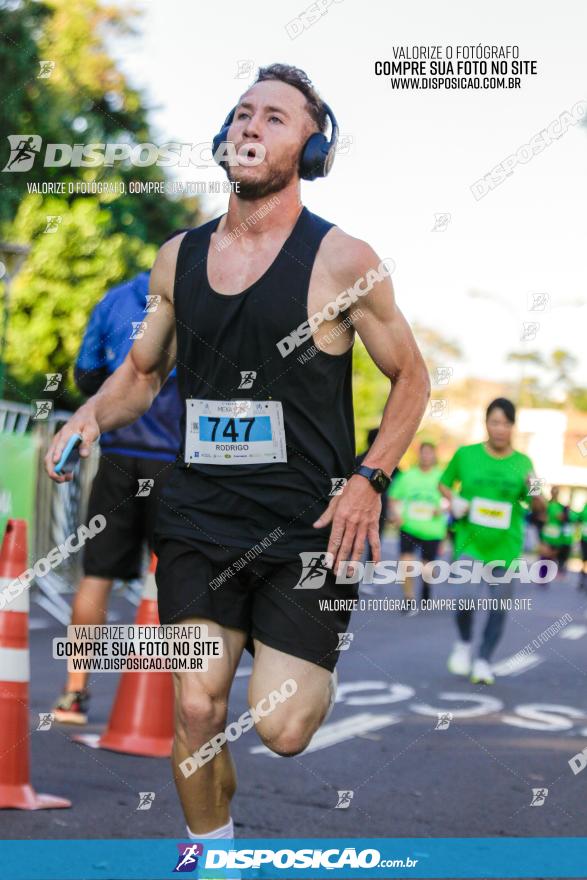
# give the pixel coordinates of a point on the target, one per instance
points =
(187, 860)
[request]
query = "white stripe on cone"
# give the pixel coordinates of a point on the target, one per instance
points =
(14, 664)
(15, 603)
(150, 588)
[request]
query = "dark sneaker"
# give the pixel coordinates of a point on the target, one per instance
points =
(72, 707)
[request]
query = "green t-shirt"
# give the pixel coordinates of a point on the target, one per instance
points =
(578, 524)
(418, 492)
(554, 531)
(495, 488)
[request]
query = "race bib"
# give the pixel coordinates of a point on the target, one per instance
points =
(420, 510)
(495, 514)
(234, 432)
(551, 531)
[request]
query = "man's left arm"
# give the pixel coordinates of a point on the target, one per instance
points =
(354, 513)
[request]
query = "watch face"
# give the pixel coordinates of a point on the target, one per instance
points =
(379, 480)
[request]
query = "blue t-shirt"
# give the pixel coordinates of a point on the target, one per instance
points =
(106, 343)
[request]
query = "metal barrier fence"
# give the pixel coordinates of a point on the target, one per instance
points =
(14, 417)
(59, 507)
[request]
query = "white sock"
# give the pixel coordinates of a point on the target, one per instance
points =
(226, 831)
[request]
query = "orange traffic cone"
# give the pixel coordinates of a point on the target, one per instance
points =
(141, 721)
(15, 789)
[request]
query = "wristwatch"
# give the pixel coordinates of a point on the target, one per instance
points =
(378, 478)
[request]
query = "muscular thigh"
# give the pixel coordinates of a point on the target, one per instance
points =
(272, 668)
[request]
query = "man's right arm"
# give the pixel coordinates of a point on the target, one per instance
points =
(129, 392)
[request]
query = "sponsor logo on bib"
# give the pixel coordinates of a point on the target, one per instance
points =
(493, 514)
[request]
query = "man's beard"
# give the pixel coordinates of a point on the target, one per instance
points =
(278, 179)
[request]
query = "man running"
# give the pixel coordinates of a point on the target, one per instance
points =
(417, 511)
(249, 505)
(495, 481)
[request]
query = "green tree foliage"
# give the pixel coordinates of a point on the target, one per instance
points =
(102, 239)
(25, 106)
(370, 392)
(437, 350)
(548, 380)
(66, 273)
(371, 388)
(85, 99)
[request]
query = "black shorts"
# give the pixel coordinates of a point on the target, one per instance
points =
(412, 545)
(118, 550)
(584, 549)
(258, 596)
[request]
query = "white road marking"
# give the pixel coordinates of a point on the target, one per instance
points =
(543, 716)
(88, 739)
(516, 664)
(477, 705)
(573, 632)
(340, 731)
(389, 692)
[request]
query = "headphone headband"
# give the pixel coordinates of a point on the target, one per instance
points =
(317, 156)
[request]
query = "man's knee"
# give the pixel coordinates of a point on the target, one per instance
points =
(288, 738)
(200, 715)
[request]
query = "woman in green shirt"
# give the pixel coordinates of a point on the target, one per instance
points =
(494, 482)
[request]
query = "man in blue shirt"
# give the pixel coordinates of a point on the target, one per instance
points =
(134, 462)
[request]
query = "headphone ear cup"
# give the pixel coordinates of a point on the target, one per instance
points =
(217, 140)
(316, 158)
(221, 137)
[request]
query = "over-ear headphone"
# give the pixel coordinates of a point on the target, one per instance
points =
(318, 153)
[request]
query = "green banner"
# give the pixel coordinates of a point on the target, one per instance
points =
(18, 473)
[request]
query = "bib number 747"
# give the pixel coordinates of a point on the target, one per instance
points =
(230, 430)
(234, 432)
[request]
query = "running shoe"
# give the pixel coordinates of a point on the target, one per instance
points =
(72, 707)
(410, 612)
(481, 673)
(459, 662)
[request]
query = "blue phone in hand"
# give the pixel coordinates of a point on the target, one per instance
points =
(69, 456)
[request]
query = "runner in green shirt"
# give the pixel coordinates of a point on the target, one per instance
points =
(556, 535)
(581, 518)
(494, 482)
(416, 509)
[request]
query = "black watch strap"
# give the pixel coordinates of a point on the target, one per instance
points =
(378, 478)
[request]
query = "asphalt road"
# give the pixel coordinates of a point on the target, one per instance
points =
(473, 778)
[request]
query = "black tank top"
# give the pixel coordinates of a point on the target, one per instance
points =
(220, 336)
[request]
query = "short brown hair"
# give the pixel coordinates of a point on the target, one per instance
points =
(297, 78)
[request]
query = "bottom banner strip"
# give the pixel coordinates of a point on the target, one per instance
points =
(240, 859)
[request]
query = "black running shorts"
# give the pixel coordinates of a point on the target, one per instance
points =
(409, 544)
(117, 551)
(258, 595)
